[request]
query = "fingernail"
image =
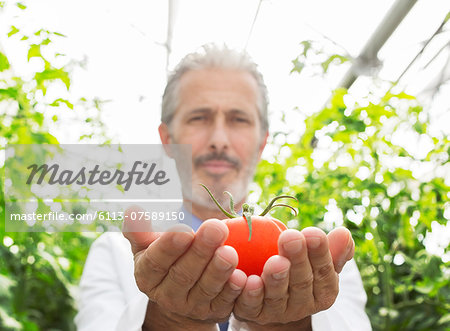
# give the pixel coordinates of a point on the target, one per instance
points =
(313, 242)
(256, 292)
(235, 287)
(181, 240)
(293, 246)
(341, 264)
(349, 244)
(280, 275)
(212, 235)
(221, 263)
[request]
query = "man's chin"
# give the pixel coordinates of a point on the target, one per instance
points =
(216, 181)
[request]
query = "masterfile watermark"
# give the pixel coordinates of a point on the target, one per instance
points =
(90, 187)
(94, 176)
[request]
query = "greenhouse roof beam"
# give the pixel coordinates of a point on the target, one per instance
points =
(367, 60)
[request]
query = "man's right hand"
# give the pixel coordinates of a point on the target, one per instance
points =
(189, 278)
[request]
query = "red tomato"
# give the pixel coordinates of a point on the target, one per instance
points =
(263, 244)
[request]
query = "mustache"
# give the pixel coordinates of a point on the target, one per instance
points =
(217, 157)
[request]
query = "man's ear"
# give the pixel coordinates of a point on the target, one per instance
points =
(165, 137)
(263, 143)
(164, 134)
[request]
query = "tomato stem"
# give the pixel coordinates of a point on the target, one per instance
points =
(232, 211)
(247, 211)
(270, 205)
(284, 205)
(218, 204)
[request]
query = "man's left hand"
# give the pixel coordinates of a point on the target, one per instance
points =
(299, 282)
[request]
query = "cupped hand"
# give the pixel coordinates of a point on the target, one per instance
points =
(301, 281)
(186, 274)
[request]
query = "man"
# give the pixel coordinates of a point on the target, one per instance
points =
(216, 101)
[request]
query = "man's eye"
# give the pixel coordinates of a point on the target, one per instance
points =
(197, 119)
(240, 120)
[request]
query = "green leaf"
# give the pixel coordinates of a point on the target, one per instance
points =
(8, 321)
(13, 31)
(10, 92)
(39, 118)
(59, 34)
(420, 127)
(51, 74)
(424, 288)
(298, 66)
(34, 51)
(46, 41)
(403, 95)
(444, 319)
(337, 99)
(447, 17)
(21, 6)
(306, 44)
(38, 32)
(58, 102)
(335, 58)
(4, 63)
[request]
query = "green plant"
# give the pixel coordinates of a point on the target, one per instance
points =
(39, 271)
(372, 185)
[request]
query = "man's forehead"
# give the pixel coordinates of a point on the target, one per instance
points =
(219, 78)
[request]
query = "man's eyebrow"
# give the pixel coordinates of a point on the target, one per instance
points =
(199, 111)
(206, 110)
(238, 112)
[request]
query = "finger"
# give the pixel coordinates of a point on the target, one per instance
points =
(276, 282)
(187, 270)
(154, 263)
(325, 285)
(341, 247)
(249, 304)
(222, 305)
(236, 283)
(292, 244)
(232, 289)
(215, 276)
(136, 230)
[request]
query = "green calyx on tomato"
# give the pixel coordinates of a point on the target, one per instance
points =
(247, 210)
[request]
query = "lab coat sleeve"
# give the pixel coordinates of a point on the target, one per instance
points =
(348, 311)
(108, 297)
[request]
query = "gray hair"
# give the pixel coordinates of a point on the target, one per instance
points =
(213, 56)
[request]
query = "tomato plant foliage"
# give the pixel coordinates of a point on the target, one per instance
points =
(39, 271)
(352, 167)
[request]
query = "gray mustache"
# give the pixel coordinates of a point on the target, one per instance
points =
(217, 157)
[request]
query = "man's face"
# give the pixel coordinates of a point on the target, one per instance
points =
(218, 116)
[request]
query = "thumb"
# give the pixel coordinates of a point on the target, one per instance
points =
(137, 229)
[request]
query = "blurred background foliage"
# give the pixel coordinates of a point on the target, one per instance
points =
(39, 272)
(357, 165)
(346, 169)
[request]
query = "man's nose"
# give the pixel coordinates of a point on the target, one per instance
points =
(219, 140)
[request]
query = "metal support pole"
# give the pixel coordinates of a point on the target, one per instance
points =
(168, 43)
(368, 59)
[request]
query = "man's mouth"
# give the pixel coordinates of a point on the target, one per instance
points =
(217, 167)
